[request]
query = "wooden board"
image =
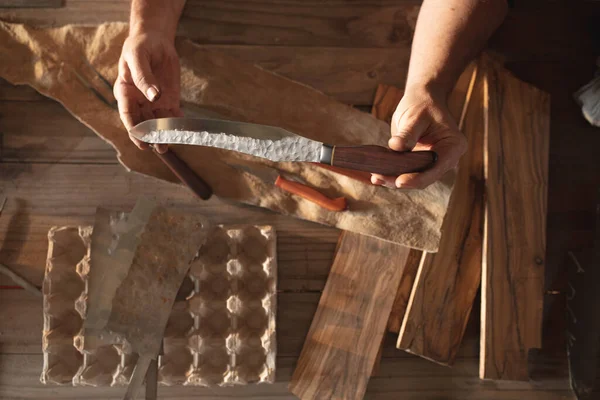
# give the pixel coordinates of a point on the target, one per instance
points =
(447, 282)
(344, 338)
(514, 241)
(31, 3)
(385, 102)
(404, 290)
(405, 379)
(361, 23)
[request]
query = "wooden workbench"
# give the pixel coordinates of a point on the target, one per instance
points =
(54, 171)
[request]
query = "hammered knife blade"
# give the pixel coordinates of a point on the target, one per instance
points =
(277, 144)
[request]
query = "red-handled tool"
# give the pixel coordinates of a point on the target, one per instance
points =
(310, 194)
(275, 177)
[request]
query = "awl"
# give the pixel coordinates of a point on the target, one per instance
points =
(277, 144)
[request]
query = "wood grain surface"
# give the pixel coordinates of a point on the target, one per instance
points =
(362, 23)
(31, 3)
(447, 281)
(514, 240)
(546, 43)
(404, 290)
(346, 332)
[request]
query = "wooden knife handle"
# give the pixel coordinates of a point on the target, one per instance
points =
(311, 194)
(381, 160)
(186, 174)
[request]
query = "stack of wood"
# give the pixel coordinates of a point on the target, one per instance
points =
(493, 235)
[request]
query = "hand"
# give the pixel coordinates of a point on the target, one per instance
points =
(422, 122)
(148, 83)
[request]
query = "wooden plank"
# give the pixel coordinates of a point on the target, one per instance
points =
(409, 378)
(21, 322)
(447, 282)
(514, 241)
(31, 3)
(349, 75)
(345, 335)
(404, 290)
(386, 100)
(43, 131)
(362, 23)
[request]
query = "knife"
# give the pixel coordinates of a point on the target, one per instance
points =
(278, 144)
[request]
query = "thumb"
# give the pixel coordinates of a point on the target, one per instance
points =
(142, 76)
(407, 128)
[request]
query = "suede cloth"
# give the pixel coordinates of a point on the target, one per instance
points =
(211, 81)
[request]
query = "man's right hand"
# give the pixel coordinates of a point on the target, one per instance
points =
(148, 85)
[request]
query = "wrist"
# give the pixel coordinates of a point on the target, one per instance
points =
(436, 93)
(145, 27)
(155, 17)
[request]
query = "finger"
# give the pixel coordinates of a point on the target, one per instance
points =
(449, 152)
(141, 73)
(130, 114)
(407, 128)
(381, 180)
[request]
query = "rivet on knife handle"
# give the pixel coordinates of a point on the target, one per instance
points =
(377, 159)
(186, 174)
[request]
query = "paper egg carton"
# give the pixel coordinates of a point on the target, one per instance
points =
(222, 334)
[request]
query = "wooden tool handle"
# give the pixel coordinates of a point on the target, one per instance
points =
(311, 194)
(186, 174)
(380, 160)
(360, 176)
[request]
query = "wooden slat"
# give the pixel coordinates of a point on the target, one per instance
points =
(386, 100)
(404, 290)
(31, 3)
(447, 281)
(43, 131)
(408, 378)
(363, 23)
(350, 75)
(514, 243)
(344, 338)
(20, 322)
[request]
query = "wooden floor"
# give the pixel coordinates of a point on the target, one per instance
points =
(54, 171)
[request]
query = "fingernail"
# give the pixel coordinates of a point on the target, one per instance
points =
(152, 93)
(376, 181)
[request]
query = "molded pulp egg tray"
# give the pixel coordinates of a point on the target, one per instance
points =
(222, 333)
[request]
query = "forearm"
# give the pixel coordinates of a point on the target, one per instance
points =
(449, 33)
(156, 16)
